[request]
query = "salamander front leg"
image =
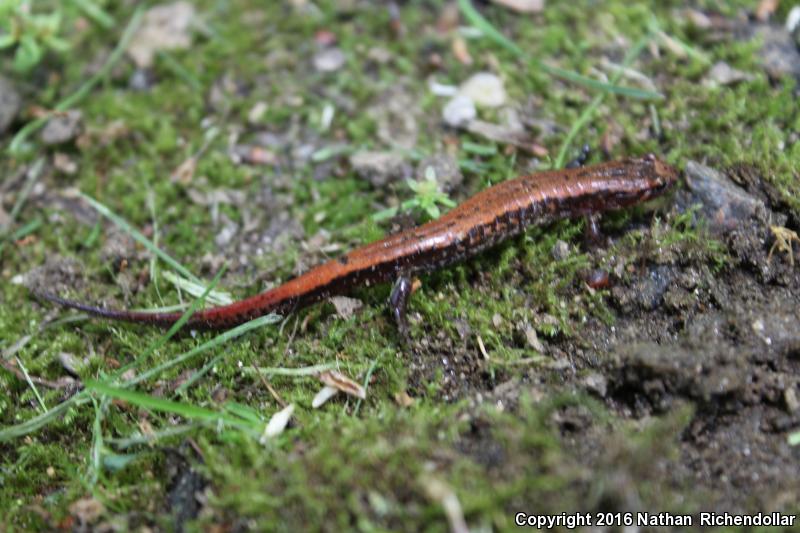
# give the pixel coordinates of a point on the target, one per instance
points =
(398, 300)
(592, 235)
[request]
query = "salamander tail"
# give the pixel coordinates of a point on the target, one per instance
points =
(139, 317)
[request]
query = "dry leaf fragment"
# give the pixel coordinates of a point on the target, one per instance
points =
(277, 423)
(346, 307)
(165, 27)
(185, 171)
(324, 394)
(403, 399)
(253, 155)
(440, 492)
(461, 51)
(87, 510)
(522, 6)
(341, 382)
(765, 9)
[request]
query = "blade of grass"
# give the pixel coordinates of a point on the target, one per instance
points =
(596, 101)
(27, 229)
(97, 440)
(37, 422)
(141, 239)
(690, 51)
(371, 369)
(195, 289)
(124, 443)
(293, 372)
(477, 20)
(33, 175)
(243, 411)
(96, 13)
(45, 418)
(158, 343)
(194, 378)
(31, 384)
(213, 343)
(19, 139)
(180, 71)
(186, 410)
(630, 92)
(208, 366)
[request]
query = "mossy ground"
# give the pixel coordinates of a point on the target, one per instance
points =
(376, 464)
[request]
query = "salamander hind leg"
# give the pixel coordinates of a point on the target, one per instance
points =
(592, 235)
(398, 300)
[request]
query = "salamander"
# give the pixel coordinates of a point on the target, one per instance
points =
(480, 222)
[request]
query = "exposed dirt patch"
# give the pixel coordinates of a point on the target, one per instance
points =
(723, 344)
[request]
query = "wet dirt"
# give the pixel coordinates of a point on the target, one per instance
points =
(720, 344)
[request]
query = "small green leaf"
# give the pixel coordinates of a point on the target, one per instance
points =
(57, 44)
(28, 54)
(116, 461)
(7, 40)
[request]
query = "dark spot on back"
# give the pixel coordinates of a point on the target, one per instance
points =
(344, 260)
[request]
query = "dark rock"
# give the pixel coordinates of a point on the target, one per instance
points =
(62, 128)
(380, 168)
(725, 205)
(779, 52)
(448, 173)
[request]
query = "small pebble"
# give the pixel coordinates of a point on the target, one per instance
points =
(226, 234)
(723, 74)
(725, 204)
(532, 338)
(445, 166)
(69, 363)
(484, 89)
(597, 384)
(64, 163)
(346, 307)
(560, 250)
(329, 60)
(141, 80)
(779, 55)
(62, 128)
(257, 112)
(380, 168)
(790, 397)
(459, 110)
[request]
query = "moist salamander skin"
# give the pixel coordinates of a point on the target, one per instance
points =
(481, 221)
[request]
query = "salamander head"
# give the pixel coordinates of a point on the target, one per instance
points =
(658, 176)
(636, 180)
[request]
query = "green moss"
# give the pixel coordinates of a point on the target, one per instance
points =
(342, 466)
